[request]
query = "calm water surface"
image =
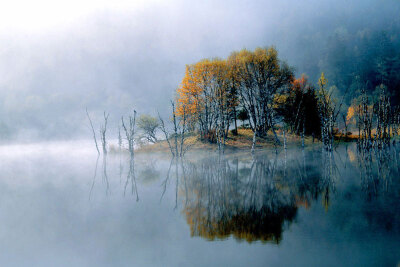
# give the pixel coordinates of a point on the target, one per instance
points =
(61, 205)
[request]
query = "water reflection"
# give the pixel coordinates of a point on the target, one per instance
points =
(94, 177)
(131, 179)
(379, 171)
(379, 175)
(254, 200)
(104, 174)
(245, 201)
(339, 209)
(257, 197)
(130, 184)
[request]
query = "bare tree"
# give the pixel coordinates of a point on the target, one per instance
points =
(119, 138)
(364, 122)
(166, 133)
(175, 127)
(180, 126)
(382, 110)
(395, 122)
(381, 115)
(328, 110)
(94, 133)
(130, 132)
(346, 127)
(182, 151)
(103, 130)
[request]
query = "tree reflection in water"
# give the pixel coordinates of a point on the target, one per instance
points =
(131, 178)
(94, 177)
(255, 198)
(377, 170)
(250, 201)
(104, 176)
(379, 174)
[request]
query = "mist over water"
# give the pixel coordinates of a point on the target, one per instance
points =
(77, 209)
(64, 203)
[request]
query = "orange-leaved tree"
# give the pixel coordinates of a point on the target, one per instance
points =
(205, 97)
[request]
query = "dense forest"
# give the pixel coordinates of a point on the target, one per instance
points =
(365, 58)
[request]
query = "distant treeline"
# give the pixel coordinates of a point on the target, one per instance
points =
(351, 57)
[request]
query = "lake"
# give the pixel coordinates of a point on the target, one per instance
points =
(62, 205)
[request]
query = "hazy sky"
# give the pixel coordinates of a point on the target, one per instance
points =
(58, 57)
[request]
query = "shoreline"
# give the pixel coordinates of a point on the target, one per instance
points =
(242, 142)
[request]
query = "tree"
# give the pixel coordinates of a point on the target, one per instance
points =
(208, 94)
(328, 109)
(211, 91)
(130, 132)
(298, 107)
(179, 132)
(262, 76)
(103, 130)
(149, 126)
(234, 87)
(94, 133)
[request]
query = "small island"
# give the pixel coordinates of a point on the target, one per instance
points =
(252, 100)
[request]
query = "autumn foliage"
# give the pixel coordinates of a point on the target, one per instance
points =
(212, 90)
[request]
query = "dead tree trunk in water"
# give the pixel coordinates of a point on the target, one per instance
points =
(183, 131)
(178, 149)
(381, 115)
(345, 126)
(130, 132)
(175, 128)
(382, 111)
(103, 130)
(167, 135)
(94, 133)
(364, 123)
(328, 111)
(119, 138)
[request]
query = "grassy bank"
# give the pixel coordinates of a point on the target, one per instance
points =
(241, 141)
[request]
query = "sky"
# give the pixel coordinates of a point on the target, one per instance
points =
(59, 57)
